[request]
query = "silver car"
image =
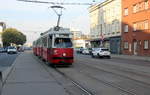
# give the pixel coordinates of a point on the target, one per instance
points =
(11, 50)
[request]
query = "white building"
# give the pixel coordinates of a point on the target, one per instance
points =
(76, 34)
(79, 43)
(105, 23)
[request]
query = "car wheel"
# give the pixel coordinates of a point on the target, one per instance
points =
(98, 55)
(92, 56)
(109, 57)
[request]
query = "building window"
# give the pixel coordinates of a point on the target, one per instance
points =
(126, 11)
(126, 28)
(141, 25)
(134, 8)
(145, 24)
(126, 45)
(146, 44)
(140, 6)
(146, 5)
(134, 27)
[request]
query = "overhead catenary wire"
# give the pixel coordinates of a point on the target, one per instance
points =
(54, 3)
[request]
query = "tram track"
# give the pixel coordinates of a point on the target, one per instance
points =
(126, 71)
(120, 60)
(110, 83)
(113, 85)
(86, 88)
(76, 84)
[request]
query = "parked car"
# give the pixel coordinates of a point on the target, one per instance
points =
(79, 50)
(20, 49)
(5, 49)
(90, 51)
(85, 51)
(2, 50)
(101, 52)
(11, 50)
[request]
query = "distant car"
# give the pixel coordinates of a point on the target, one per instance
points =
(11, 50)
(85, 51)
(5, 49)
(21, 49)
(90, 51)
(101, 52)
(79, 50)
(2, 50)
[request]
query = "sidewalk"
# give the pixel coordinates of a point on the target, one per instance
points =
(28, 77)
(132, 57)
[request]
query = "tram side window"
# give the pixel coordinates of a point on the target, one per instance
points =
(45, 42)
(63, 43)
(50, 43)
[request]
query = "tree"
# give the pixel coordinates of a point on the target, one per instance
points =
(12, 35)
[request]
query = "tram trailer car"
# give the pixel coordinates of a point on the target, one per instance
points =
(39, 47)
(56, 47)
(34, 48)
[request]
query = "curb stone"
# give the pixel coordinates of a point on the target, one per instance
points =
(4, 73)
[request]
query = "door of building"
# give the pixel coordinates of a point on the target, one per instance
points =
(135, 48)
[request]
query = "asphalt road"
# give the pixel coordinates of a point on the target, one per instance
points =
(94, 76)
(7, 59)
(110, 76)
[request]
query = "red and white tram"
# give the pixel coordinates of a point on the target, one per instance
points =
(55, 47)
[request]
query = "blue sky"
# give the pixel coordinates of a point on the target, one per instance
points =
(33, 19)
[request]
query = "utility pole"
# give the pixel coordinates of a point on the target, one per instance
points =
(101, 36)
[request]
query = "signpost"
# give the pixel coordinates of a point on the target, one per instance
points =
(101, 39)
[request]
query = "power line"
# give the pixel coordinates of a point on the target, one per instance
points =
(45, 2)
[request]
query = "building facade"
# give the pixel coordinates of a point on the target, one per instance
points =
(2, 28)
(105, 25)
(76, 34)
(136, 27)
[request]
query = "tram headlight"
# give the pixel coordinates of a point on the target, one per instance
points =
(64, 54)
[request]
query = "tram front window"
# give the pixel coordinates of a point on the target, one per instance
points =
(63, 43)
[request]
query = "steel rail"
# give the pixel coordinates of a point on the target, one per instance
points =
(111, 84)
(75, 83)
(142, 82)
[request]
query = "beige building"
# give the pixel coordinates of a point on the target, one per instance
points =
(105, 24)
